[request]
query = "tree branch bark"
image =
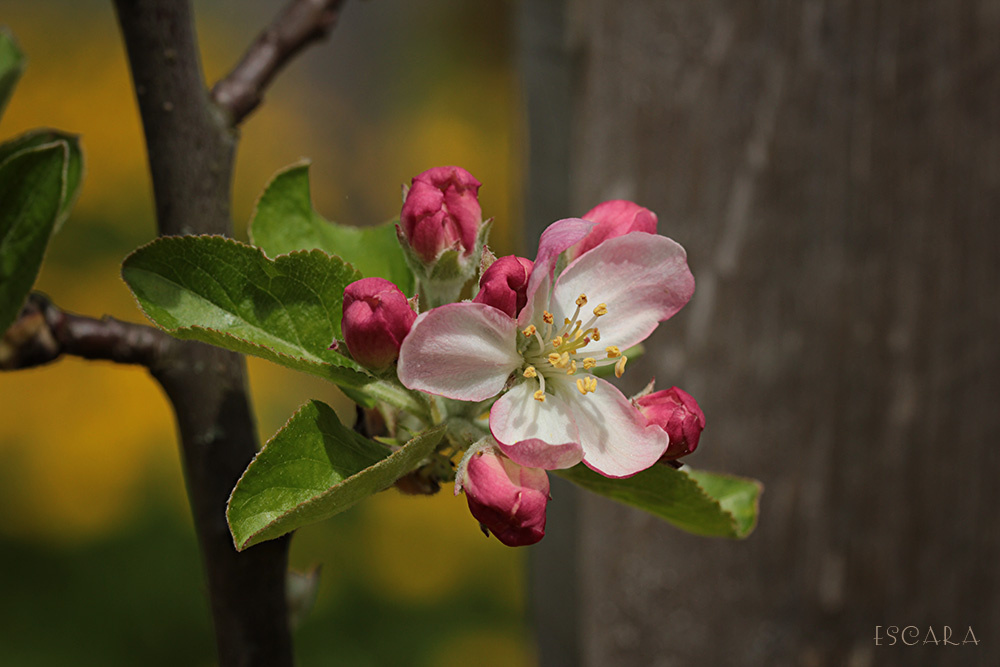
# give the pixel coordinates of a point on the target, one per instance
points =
(300, 23)
(191, 150)
(42, 333)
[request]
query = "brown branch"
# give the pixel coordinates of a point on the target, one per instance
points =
(300, 23)
(191, 151)
(42, 333)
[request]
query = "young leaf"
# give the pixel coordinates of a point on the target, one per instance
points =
(314, 468)
(11, 66)
(225, 293)
(32, 187)
(222, 292)
(285, 221)
(74, 165)
(702, 503)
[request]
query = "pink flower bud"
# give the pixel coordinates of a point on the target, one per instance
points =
(677, 413)
(506, 498)
(505, 284)
(377, 318)
(442, 211)
(614, 218)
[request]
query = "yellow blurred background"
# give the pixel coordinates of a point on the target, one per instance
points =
(99, 563)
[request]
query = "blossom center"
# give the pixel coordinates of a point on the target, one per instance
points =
(558, 350)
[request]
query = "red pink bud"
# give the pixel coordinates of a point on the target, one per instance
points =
(677, 413)
(377, 317)
(504, 285)
(506, 498)
(442, 211)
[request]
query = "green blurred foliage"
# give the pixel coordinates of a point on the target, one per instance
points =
(97, 555)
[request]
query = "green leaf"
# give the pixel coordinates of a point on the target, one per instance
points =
(702, 503)
(737, 495)
(285, 221)
(312, 469)
(229, 294)
(219, 291)
(74, 166)
(31, 189)
(11, 66)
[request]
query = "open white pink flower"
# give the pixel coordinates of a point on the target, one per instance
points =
(553, 412)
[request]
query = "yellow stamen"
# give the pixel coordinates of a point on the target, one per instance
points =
(540, 396)
(554, 358)
(613, 351)
(547, 316)
(581, 300)
(596, 335)
(566, 320)
(581, 386)
(591, 384)
(589, 363)
(572, 368)
(529, 331)
(602, 309)
(620, 366)
(530, 372)
(557, 341)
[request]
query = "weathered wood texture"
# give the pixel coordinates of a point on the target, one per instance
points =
(833, 169)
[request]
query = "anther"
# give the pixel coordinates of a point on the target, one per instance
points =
(547, 317)
(613, 351)
(530, 372)
(581, 300)
(620, 366)
(596, 335)
(557, 341)
(602, 309)
(581, 386)
(589, 363)
(540, 396)
(572, 368)
(529, 331)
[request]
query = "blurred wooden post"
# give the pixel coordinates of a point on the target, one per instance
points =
(833, 169)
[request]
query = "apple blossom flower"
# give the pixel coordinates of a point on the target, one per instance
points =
(506, 498)
(676, 412)
(552, 411)
(441, 212)
(505, 284)
(612, 219)
(377, 317)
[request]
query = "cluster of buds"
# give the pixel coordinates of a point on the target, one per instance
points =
(506, 340)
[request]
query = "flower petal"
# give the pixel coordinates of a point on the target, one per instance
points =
(615, 438)
(464, 351)
(643, 278)
(556, 238)
(533, 433)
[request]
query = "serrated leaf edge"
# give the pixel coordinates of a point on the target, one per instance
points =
(173, 331)
(249, 541)
(756, 500)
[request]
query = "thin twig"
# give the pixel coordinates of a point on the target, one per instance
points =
(300, 23)
(42, 333)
